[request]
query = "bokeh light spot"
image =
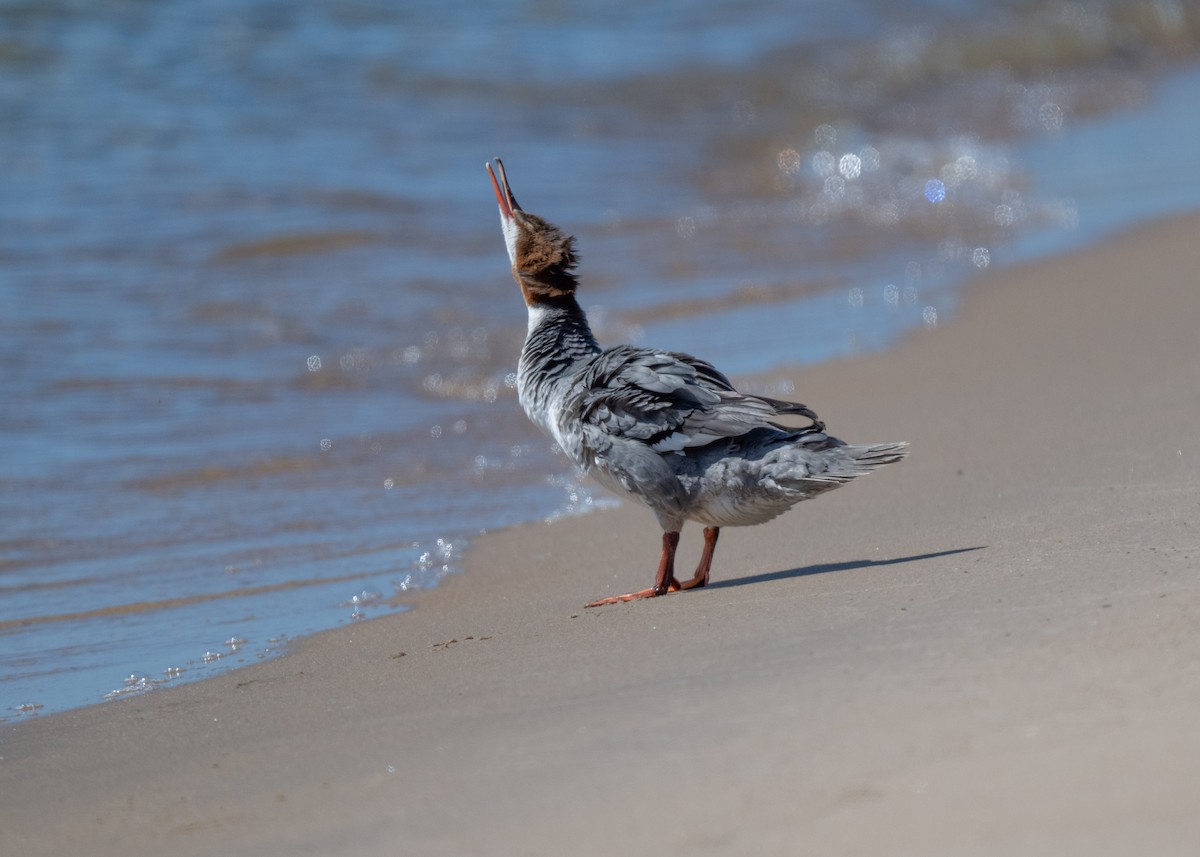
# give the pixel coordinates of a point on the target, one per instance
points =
(824, 164)
(835, 187)
(1051, 116)
(850, 165)
(789, 161)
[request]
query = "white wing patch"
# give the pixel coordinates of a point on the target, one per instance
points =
(678, 441)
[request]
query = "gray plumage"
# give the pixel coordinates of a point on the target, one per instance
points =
(671, 431)
(664, 428)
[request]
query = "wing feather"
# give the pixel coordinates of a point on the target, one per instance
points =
(670, 401)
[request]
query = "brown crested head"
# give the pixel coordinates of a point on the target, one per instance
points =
(542, 255)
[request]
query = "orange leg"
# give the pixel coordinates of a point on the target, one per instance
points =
(664, 582)
(700, 578)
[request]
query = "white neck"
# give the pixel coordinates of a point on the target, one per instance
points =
(537, 314)
(508, 226)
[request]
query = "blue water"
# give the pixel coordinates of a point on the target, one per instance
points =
(255, 314)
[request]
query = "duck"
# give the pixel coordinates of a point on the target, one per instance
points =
(663, 428)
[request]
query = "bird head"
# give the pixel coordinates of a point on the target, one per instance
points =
(542, 255)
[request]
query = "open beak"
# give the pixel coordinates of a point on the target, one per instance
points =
(504, 195)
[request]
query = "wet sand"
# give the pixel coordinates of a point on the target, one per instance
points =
(991, 648)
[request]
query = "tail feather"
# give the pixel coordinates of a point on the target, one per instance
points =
(850, 461)
(879, 454)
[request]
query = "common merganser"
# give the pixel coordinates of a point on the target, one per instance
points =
(664, 428)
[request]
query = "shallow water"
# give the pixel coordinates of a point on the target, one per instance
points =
(256, 318)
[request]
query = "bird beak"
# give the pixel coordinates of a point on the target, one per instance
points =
(504, 195)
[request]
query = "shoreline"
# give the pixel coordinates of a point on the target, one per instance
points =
(990, 647)
(66, 664)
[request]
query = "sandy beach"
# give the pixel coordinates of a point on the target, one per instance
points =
(992, 648)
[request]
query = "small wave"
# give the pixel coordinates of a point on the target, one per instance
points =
(736, 299)
(213, 474)
(172, 603)
(171, 382)
(469, 386)
(296, 245)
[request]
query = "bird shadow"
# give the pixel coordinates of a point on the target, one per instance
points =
(807, 570)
